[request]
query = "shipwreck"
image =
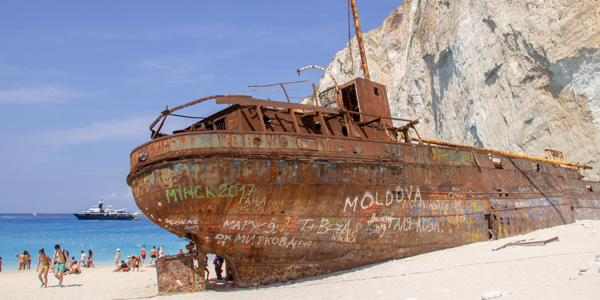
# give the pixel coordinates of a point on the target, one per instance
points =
(284, 190)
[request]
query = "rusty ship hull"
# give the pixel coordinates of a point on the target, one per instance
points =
(283, 200)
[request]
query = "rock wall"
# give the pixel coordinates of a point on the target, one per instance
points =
(518, 76)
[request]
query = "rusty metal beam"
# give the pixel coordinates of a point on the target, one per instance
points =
(260, 118)
(247, 100)
(279, 83)
(361, 46)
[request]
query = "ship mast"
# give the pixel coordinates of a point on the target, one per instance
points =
(361, 46)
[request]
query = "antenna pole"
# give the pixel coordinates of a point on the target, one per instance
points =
(361, 46)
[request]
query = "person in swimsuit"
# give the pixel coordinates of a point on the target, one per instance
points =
(117, 256)
(82, 258)
(206, 266)
(143, 254)
(60, 260)
(122, 268)
(44, 260)
(27, 260)
(90, 261)
(153, 255)
(74, 266)
(22, 259)
(0, 264)
(137, 261)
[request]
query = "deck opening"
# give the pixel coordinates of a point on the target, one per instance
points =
(217, 272)
(490, 226)
(350, 100)
(345, 131)
(220, 124)
(497, 163)
(266, 120)
(376, 91)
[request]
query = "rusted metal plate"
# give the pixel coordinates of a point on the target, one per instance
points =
(307, 144)
(176, 274)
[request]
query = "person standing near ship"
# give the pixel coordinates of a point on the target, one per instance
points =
(161, 251)
(45, 261)
(60, 259)
(218, 262)
(117, 256)
(143, 254)
(0, 264)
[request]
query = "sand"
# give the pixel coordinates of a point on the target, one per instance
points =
(467, 272)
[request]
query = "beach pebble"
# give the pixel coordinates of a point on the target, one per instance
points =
(491, 295)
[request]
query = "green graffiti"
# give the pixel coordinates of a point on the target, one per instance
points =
(199, 192)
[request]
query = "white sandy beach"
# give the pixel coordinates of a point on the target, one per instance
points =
(467, 272)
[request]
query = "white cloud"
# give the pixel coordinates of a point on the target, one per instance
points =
(36, 95)
(116, 196)
(174, 72)
(96, 132)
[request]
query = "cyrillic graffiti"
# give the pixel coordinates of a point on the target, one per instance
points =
(199, 192)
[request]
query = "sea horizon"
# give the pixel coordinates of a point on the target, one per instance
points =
(24, 231)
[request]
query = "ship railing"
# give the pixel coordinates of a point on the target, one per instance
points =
(395, 133)
(506, 154)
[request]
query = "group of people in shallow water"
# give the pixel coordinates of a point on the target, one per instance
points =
(60, 265)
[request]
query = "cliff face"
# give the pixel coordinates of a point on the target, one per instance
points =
(518, 76)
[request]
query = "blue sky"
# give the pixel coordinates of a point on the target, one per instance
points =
(80, 82)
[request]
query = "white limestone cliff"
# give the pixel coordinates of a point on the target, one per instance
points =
(519, 76)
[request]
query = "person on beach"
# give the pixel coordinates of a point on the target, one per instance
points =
(90, 261)
(74, 266)
(44, 260)
(153, 255)
(180, 252)
(22, 259)
(218, 262)
(143, 254)
(122, 268)
(117, 256)
(161, 251)
(59, 259)
(82, 258)
(206, 266)
(27, 260)
(0, 264)
(137, 262)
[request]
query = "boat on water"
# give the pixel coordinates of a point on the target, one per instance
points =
(108, 213)
(284, 191)
(138, 214)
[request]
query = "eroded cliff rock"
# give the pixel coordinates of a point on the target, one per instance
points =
(518, 76)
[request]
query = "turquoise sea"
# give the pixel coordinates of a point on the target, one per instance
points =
(19, 232)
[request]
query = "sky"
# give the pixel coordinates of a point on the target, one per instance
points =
(81, 81)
